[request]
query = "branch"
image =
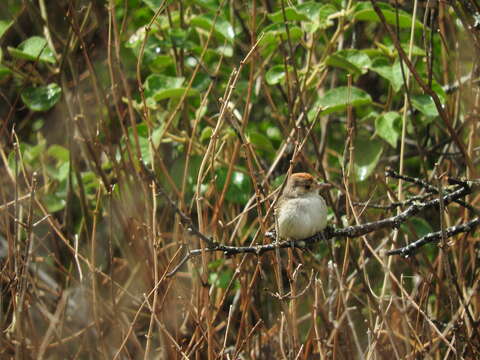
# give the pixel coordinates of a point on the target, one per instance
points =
(329, 232)
(430, 188)
(410, 249)
(426, 89)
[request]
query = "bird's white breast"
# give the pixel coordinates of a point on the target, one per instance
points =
(300, 218)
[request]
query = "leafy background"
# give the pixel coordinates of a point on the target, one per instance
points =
(221, 99)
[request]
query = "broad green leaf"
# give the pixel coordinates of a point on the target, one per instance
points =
(159, 87)
(154, 4)
(291, 14)
(142, 132)
(206, 133)
(60, 171)
(425, 104)
(221, 28)
(337, 99)
(240, 186)
(41, 98)
(393, 73)
(54, 202)
(4, 71)
(31, 154)
(276, 33)
(32, 49)
(225, 50)
(221, 279)
(318, 14)
(439, 91)
(207, 4)
(156, 133)
(276, 74)
(416, 51)
(59, 152)
(272, 132)
(4, 25)
(260, 141)
(160, 62)
(389, 127)
(367, 154)
(364, 11)
(352, 60)
(215, 264)
(90, 182)
(155, 50)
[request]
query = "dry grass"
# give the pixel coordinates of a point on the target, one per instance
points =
(90, 280)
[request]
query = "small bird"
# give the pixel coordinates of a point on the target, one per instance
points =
(301, 212)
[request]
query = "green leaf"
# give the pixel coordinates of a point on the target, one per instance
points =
(60, 171)
(59, 152)
(225, 50)
(159, 87)
(41, 98)
(364, 11)
(318, 14)
(221, 279)
(389, 127)
(393, 73)
(239, 189)
(54, 202)
(368, 153)
(32, 49)
(260, 141)
(207, 4)
(426, 105)
(337, 99)
(276, 74)
(276, 33)
(142, 132)
(4, 25)
(206, 133)
(215, 264)
(416, 51)
(160, 62)
(272, 132)
(291, 14)
(221, 28)
(154, 4)
(352, 60)
(4, 71)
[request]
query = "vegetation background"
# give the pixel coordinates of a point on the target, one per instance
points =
(220, 99)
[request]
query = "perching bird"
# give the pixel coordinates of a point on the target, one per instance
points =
(301, 211)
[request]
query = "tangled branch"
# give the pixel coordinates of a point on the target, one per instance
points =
(460, 190)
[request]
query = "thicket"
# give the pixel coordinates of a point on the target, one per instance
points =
(143, 143)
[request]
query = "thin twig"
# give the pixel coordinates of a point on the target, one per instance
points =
(392, 222)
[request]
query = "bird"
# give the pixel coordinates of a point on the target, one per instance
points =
(301, 211)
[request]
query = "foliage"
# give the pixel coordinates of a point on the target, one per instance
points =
(217, 97)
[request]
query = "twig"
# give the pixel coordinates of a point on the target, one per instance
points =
(410, 249)
(427, 90)
(430, 188)
(329, 232)
(187, 221)
(393, 205)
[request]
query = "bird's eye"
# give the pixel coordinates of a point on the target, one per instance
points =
(307, 187)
